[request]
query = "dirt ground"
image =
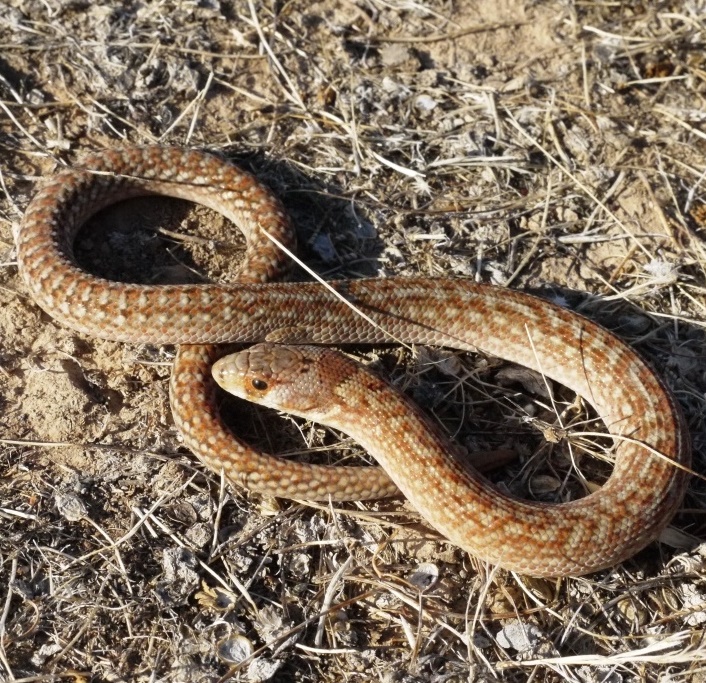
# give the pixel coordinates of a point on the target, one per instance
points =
(556, 146)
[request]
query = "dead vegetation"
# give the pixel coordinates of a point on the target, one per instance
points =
(551, 146)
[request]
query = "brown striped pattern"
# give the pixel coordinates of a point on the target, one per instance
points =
(573, 538)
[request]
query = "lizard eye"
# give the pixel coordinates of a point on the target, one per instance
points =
(259, 384)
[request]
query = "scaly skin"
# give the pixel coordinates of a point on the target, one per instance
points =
(573, 538)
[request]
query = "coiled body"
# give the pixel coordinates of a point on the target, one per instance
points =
(597, 531)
